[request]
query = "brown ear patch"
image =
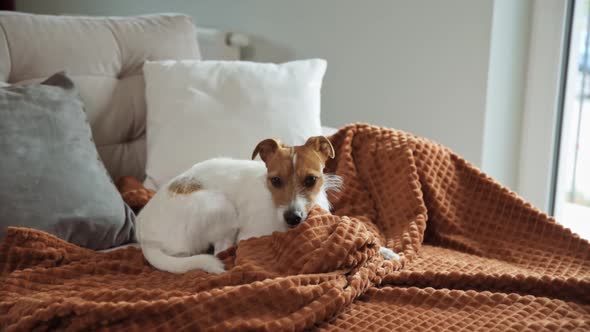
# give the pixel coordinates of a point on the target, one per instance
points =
(183, 186)
(322, 145)
(266, 148)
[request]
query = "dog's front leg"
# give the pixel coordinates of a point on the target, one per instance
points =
(224, 243)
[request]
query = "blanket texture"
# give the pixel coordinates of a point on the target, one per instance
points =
(475, 257)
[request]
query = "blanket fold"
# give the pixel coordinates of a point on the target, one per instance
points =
(474, 256)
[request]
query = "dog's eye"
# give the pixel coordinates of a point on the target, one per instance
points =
(276, 181)
(310, 181)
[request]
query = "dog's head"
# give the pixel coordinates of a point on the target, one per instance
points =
(295, 174)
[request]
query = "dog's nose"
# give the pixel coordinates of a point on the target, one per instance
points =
(292, 218)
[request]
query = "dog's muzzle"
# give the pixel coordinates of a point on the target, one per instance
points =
(292, 217)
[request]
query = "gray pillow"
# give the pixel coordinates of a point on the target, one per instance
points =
(51, 177)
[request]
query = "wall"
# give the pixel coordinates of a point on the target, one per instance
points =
(506, 89)
(420, 65)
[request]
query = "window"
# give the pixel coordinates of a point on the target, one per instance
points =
(572, 186)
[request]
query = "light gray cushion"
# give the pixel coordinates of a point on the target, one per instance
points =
(51, 176)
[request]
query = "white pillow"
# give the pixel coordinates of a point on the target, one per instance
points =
(197, 110)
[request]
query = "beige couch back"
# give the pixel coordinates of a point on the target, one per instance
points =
(104, 57)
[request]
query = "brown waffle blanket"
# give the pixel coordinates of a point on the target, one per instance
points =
(475, 257)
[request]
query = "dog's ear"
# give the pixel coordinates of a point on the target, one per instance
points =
(266, 148)
(322, 145)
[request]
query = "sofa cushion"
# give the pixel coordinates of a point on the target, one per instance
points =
(52, 177)
(104, 57)
(199, 110)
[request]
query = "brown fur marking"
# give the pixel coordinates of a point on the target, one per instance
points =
(183, 186)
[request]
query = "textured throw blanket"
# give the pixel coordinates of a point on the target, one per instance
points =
(475, 257)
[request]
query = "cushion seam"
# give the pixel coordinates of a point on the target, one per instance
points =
(70, 74)
(109, 25)
(9, 54)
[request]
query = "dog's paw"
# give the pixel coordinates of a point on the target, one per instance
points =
(388, 254)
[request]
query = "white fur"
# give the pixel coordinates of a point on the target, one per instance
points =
(299, 205)
(233, 204)
(331, 182)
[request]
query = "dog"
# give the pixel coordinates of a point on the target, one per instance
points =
(221, 201)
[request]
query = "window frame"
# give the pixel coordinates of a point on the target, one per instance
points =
(543, 107)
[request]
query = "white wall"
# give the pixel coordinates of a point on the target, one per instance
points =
(419, 65)
(506, 89)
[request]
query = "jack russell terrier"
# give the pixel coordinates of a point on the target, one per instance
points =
(221, 201)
